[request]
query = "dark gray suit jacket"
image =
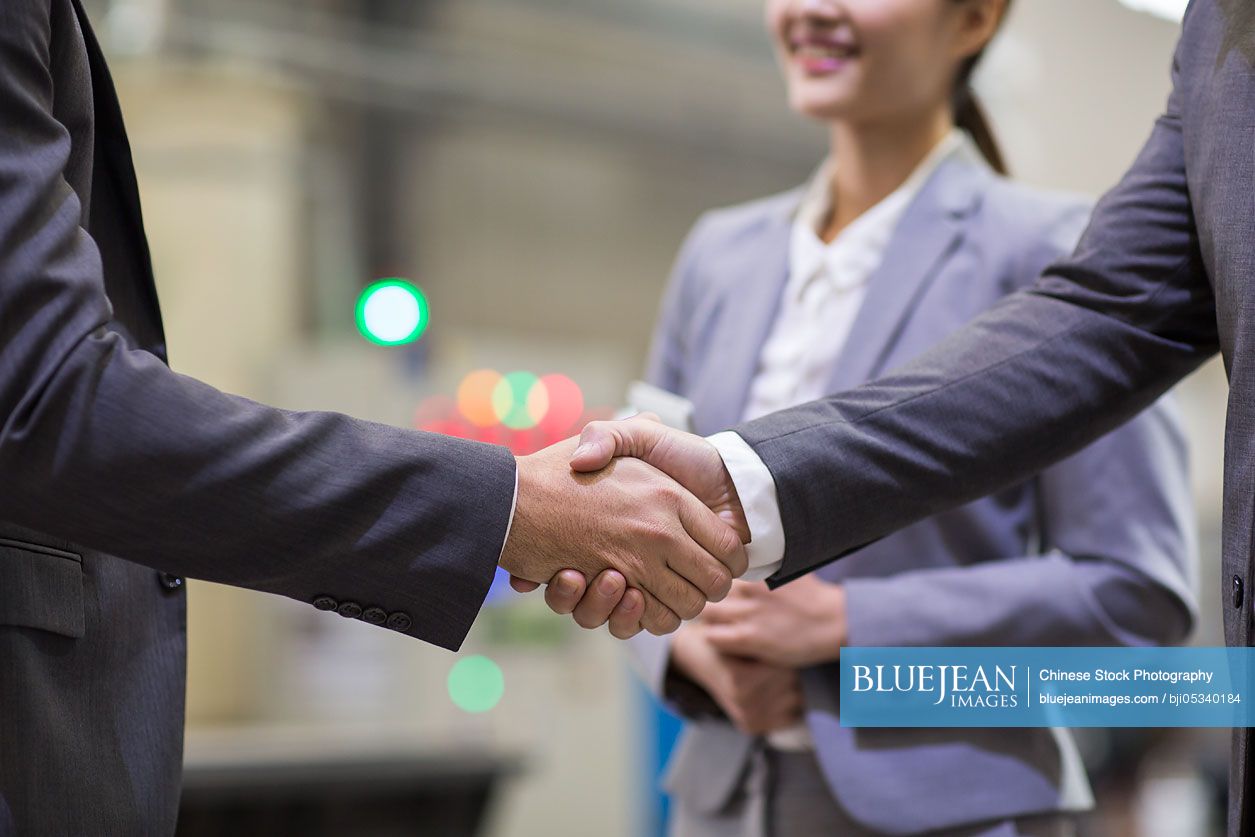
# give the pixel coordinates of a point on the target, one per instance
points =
(119, 475)
(1097, 550)
(1163, 277)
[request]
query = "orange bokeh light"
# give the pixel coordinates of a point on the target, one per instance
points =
(475, 397)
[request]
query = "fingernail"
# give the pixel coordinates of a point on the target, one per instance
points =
(567, 585)
(581, 450)
(608, 585)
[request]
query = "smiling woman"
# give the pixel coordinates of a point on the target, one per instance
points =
(906, 231)
(887, 61)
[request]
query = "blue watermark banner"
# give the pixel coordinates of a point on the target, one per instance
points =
(1047, 687)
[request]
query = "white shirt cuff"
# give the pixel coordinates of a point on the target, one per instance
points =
(514, 505)
(757, 490)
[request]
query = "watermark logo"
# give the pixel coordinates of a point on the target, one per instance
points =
(1042, 687)
(969, 687)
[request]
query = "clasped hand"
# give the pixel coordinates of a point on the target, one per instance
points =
(746, 651)
(636, 524)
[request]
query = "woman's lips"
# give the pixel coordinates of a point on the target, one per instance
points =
(821, 57)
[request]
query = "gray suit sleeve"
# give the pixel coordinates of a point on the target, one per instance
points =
(1095, 341)
(651, 654)
(102, 444)
(1118, 554)
(1119, 567)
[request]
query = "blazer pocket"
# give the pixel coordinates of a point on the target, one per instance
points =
(41, 587)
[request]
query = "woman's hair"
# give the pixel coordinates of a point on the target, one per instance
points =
(970, 116)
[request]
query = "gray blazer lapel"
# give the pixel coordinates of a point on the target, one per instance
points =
(929, 232)
(750, 304)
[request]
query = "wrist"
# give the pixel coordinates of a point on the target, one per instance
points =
(840, 627)
(830, 635)
(681, 686)
(688, 655)
(514, 555)
(680, 660)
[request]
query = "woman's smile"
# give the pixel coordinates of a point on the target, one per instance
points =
(821, 52)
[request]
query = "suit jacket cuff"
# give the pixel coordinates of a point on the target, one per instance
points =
(757, 490)
(874, 609)
(447, 586)
(687, 698)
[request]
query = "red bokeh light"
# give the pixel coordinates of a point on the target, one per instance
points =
(566, 405)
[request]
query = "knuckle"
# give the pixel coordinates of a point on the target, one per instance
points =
(631, 566)
(624, 631)
(692, 605)
(660, 533)
(720, 583)
(731, 550)
(664, 492)
(653, 621)
(652, 532)
(659, 620)
(670, 623)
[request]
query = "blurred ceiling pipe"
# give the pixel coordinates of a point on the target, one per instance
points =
(523, 61)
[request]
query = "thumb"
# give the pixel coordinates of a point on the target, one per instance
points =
(731, 639)
(602, 441)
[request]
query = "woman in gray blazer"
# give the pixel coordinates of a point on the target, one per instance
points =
(908, 230)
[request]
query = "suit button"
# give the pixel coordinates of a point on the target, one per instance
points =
(400, 621)
(374, 615)
(170, 582)
(1237, 591)
(349, 610)
(326, 603)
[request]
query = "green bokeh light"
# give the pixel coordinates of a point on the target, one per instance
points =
(476, 684)
(509, 400)
(392, 312)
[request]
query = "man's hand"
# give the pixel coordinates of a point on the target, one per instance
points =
(608, 598)
(758, 698)
(689, 460)
(628, 517)
(800, 624)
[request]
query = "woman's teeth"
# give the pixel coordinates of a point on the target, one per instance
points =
(823, 51)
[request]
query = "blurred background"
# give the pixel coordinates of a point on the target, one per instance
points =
(532, 166)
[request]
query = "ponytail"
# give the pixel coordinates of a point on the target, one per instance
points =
(970, 116)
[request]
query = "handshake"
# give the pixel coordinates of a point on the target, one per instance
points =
(633, 523)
